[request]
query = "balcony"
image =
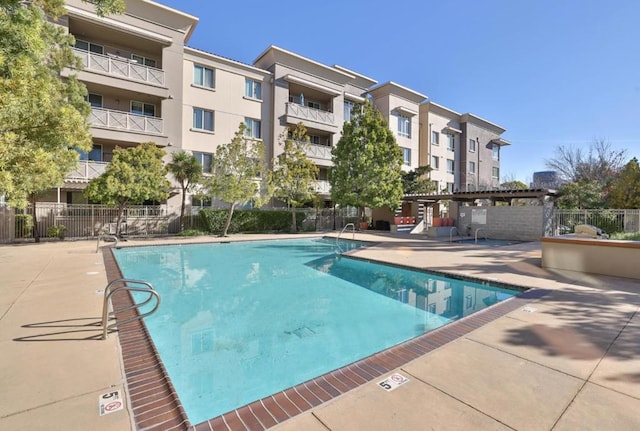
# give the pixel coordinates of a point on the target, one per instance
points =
(315, 151)
(296, 113)
(120, 67)
(87, 170)
(323, 187)
(119, 120)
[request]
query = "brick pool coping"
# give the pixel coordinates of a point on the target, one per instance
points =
(156, 406)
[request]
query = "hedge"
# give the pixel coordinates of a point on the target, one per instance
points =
(249, 221)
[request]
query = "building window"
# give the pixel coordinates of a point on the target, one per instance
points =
(253, 128)
(88, 46)
(450, 187)
(141, 108)
(432, 308)
(314, 139)
(202, 119)
(435, 138)
(253, 89)
(200, 202)
(95, 100)
(404, 126)
(495, 173)
(472, 167)
(450, 166)
(406, 156)
(452, 143)
(496, 151)
(150, 62)
(472, 145)
(436, 185)
(94, 155)
(203, 76)
(435, 162)
(205, 160)
(348, 107)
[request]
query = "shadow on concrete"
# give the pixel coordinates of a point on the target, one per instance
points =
(77, 331)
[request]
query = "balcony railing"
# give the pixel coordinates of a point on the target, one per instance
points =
(322, 186)
(322, 152)
(125, 121)
(87, 170)
(306, 113)
(119, 66)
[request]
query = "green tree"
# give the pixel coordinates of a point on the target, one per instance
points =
(416, 181)
(294, 175)
(187, 171)
(581, 195)
(514, 185)
(366, 163)
(625, 192)
(135, 175)
(239, 173)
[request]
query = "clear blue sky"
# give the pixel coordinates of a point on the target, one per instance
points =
(552, 72)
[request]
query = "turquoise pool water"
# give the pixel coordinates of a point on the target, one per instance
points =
(242, 321)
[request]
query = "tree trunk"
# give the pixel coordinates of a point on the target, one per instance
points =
(184, 196)
(34, 216)
(294, 227)
(228, 223)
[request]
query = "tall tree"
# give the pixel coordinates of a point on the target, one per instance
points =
(187, 171)
(239, 173)
(42, 117)
(294, 175)
(135, 175)
(625, 192)
(366, 163)
(416, 181)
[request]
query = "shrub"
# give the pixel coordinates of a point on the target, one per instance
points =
(254, 221)
(23, 226)
(56, 231)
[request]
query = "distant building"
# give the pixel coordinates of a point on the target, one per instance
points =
(546, 180)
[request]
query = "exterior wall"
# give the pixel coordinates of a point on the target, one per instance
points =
(608, 257)
(483, 178)
(445, 123)
(526, 223)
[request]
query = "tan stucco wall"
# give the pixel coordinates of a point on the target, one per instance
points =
(608, 257)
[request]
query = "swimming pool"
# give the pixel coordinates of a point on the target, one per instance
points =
(242, 321)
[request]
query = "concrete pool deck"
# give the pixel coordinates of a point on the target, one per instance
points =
(568, 360)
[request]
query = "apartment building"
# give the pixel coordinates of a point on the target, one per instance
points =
(463, 150)
(319, 96)
(133, 71)
(400, 107)
(145, 85)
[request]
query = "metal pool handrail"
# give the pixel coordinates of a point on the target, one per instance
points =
(476, 235)
(353, 226)
(129, 285)
(106, 235)
(451, 233)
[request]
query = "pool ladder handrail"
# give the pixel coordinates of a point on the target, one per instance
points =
(353, 226)
(128, 285)
(451, 233)
(476, 234)
(106, 235)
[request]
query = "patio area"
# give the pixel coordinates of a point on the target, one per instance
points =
(567, 360)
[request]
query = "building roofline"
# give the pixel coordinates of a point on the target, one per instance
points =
(197, 51)
(356, 74)
(408, 93)
(465, 117)
(301, 57)
(442, 107)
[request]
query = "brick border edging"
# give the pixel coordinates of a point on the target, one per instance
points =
(156, 405)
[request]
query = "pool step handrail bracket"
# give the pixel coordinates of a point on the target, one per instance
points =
(346, 226)
(106, 235)
(127, 285)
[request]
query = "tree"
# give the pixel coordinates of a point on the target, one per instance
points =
(625, 192)
(514, 185)
(187, 171)
(135, 175)
(366, 163)
(42, 117)
(239, 173)
(294, 175)
(583, 194)
(416, 181)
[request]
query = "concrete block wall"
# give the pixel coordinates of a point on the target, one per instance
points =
(524, 223)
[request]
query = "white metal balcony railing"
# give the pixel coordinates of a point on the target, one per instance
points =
(322, 186)
(322, 152)
(306, 113)
(87, 170)
(125, 121)
(120, 66)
